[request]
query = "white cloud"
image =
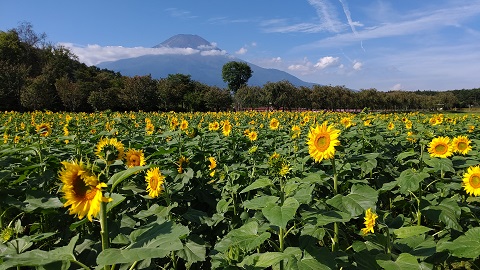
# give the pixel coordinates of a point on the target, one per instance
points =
(326, 61)
(357, 65)
(276, 59)
(241, 51)
(299, 68)
(179, 13)
(397, 86)
(95, 54)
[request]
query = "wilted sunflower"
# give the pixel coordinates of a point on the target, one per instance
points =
(155, 180)
(274, 124)
(461, 145)
(81, 189)
(110, 149)
(322, 141)
(471, 180)
(370, 219)
(135, 158)
(440, 147)
(44, 129)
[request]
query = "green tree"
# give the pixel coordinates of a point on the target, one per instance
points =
(139, 93)
(171, 91)
(236, 74)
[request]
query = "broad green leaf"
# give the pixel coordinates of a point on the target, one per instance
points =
(409, 180)
(314, 178)
(247, 237)
(121, 176)
(440, 164)
(192, 252)
(116, 200)
(419, 246)
(360, 199)
(448, 212)
(332, 216)
(405, 232)
(259, 183)
(465, 246)
(260, 202)
(404, 261)
(281, 215)
(40, 199)
(267, 259)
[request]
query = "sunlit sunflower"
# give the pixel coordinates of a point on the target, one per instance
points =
(214, 126)
(408, 124)
(390, 126)
(135, 158)
(252, 135)
(296, 131)
(370, 219)
(110, 149)
(213, 163)
(471, 180)
(149, 128)
(184, 124)
(471, 128)
(155, 180)
(284, 169)
(82, 190)
(44, 129)
(274, 124)
(461, 145)
(322, 141)
(440, 147)
(227, 128)
(346, 122)
(173, 123)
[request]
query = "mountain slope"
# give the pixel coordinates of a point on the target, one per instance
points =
(204, 66)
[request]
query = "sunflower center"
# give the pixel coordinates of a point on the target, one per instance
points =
(134, 160)
(462, 146)
(82, 189)
(475, 181)
(322, 142)
(154, 183)
(441, 149)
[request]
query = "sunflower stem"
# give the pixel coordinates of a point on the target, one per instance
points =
(104, 228)
(335, 192)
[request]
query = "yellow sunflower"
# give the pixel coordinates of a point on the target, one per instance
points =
(155, 180)
(346, 122)
(135, 158)
(461, 145)
(227, 128)
(213, 163)
(440, 147)
(370, 219)
(214, 126)
(184, 124)
(181, 161)
(390, 126)
(82, 190)
(322, 141)
(44, 129)
(110, 149)
(252, 135)
(274, 124)
(296, 131)
(471, 180)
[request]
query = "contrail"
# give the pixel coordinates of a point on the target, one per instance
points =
(350, 22)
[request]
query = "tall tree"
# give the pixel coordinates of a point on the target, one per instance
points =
(236, 74)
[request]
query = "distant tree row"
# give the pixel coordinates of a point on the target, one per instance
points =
(36, 75)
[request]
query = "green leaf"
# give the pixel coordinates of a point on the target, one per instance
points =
(259, 183)
(116, 200)
(465, 246)
(441, 164)
(332, 216)
(260, 202)
(40, 199)
(359, 200)
(281, 215)
(155, 240)
(405, 232)
(192, 252)
(404, 261)
(120, 176)
(409, 180)
(448, 212)
(247, 238)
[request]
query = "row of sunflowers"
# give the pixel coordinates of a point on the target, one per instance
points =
(239, 190)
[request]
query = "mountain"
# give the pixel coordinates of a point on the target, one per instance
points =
(204, 65)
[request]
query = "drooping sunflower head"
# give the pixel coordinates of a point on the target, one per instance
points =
(322, 141)
(44, 129)
(155, 180)
(440, 147)
(135, 158)
(471, 181)
(110, 149)
(370, 220)
(181, 163)
(461, 145)
(82, 190)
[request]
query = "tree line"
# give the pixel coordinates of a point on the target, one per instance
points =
(36, 75)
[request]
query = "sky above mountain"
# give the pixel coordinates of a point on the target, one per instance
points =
(387, 45)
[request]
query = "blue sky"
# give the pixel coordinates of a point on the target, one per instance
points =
(387, 45)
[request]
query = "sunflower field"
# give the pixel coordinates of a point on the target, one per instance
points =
(239, 190)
